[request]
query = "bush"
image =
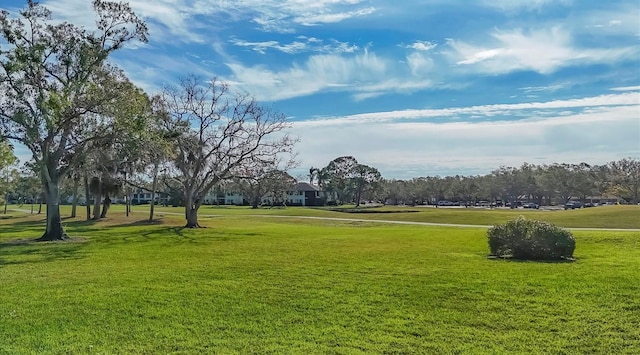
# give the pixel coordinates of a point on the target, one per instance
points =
(531, 240)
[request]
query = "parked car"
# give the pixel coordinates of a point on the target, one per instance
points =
(572, 205)
(445, 203)
(530, 205)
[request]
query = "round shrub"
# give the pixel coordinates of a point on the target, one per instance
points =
(531, 240)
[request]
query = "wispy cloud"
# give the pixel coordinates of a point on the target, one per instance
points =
(497, 111)
(182, 20)
(543, 51)
(626, 88)
(548, 88)
(366, 75)
(420, 45)
(312, 20)
(305, 45)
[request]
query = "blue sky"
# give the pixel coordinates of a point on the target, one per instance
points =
(414, 88)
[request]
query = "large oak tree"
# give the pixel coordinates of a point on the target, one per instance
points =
(220, 133)
(57, 88)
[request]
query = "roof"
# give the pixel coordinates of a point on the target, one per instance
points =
(305, 186)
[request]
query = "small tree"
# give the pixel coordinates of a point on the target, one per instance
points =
(28, 187)
(338, 177)
(348, 178)
(364, 177)
(256, 182)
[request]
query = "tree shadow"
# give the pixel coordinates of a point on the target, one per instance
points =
(21, 227)
(28, 251)
(104, 232)
(541, 261)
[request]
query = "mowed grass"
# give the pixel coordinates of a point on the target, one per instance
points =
(624, 217)
(263, 285)
(613, 217)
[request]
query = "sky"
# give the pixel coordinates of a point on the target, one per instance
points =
(413, 87)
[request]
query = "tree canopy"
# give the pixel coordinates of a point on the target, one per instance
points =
(59, 92)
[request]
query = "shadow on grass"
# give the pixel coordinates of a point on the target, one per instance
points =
(22, 228)
(12, 216)
(106, 233)
(543, 261)
(27, 251)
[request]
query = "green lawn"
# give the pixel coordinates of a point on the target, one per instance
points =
(597, 217)
(262, 285)
(623, 217)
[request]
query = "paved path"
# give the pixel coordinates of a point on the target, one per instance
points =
(371, 221)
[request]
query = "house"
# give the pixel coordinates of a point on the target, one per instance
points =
(303, 194)
(142, 197)
(222, 197)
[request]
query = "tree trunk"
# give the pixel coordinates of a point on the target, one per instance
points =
(97, 196)
(74, 203)
(191, 210)
(40, 205)
(154, 186)
(192, 217)
(126, 197)
(86, 198)
(54, 230)
(255, 202)
(6, 202)
(105, 205)
(359, 190)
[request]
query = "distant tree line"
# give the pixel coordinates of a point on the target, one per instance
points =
(542, 184)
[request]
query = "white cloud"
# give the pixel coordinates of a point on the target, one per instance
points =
(261, 47)
(631, 99)
(543, 51)
(181, 20)
(361, 73)
(548, 88)
(420, 45)
(410, 149)
(312, 20)
(626, 88)
(309, 45)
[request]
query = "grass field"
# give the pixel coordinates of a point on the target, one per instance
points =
(622, 217)
(598, 217)
(265, 285)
